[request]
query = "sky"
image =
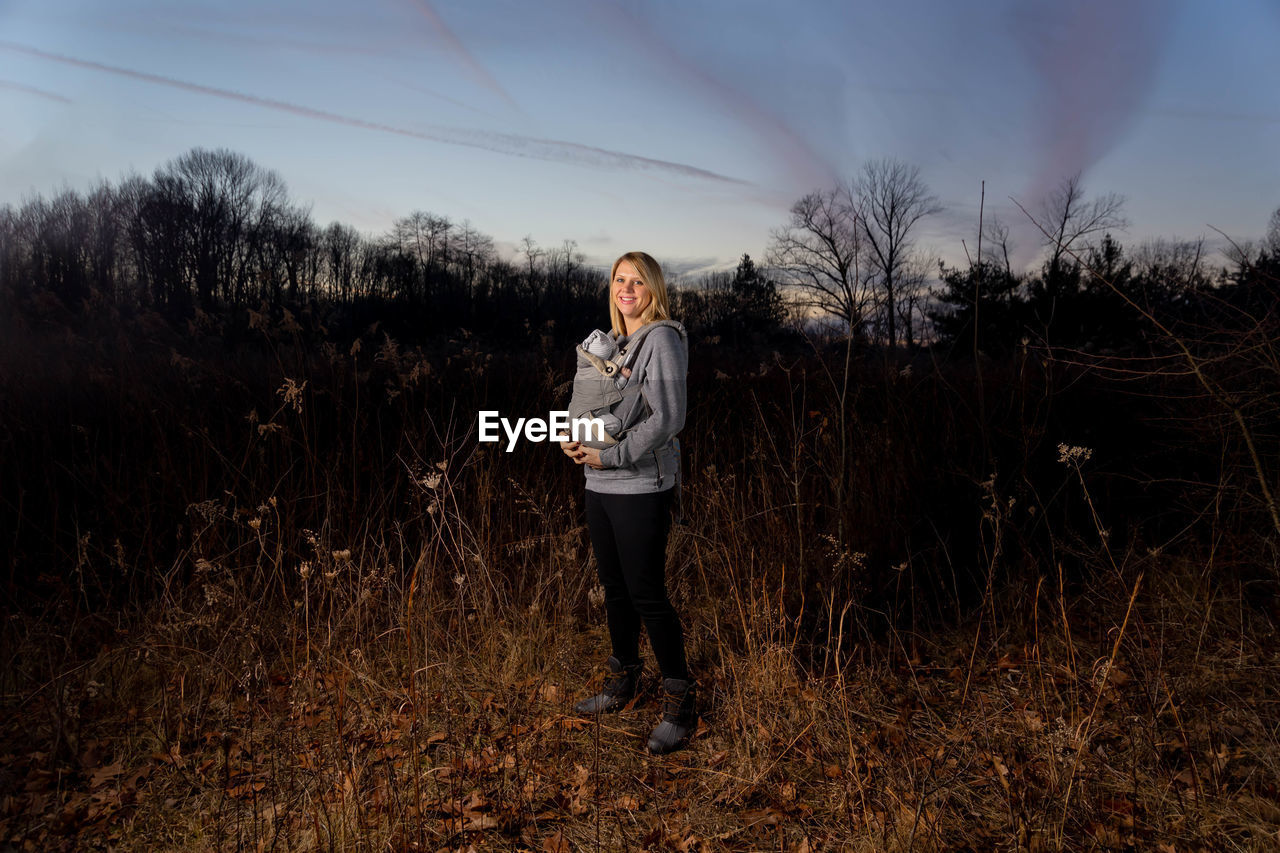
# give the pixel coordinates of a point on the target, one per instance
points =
(684, 129)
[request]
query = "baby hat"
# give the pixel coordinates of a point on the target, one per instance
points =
(599, 344)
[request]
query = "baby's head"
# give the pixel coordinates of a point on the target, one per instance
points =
(600, 345)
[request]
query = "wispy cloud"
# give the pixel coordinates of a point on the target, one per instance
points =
(805, 165)
(32, 90)
(440, 95)
(503, 143)
(1095, 61)
(459, 50)
(687, 269)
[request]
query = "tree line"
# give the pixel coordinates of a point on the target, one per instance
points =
(213, 232)
(850, 252)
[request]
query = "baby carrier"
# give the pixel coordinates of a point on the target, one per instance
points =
(595, 386)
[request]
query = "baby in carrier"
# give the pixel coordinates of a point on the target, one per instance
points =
(597, 385)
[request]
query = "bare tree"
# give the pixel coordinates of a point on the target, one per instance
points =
(1068, 218)
(297, 244)
(890, 200)
(158, 237)
(1164, 269)
(529, 248)
(340, 245)
(1272, 241)
(219, 207)
(998, 246)
(567, 273)
(427, 238)
(561, 262)
(412, 235)
(817, 253)
(474, 251)
(910, 294)
(11, 256)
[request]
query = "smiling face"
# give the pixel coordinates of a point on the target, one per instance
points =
(637, 293)
(630, 294)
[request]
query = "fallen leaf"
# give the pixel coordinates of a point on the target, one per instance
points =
(246, 789)
(104, 774)
(473, 823)
(769, 817)
(1032, 721)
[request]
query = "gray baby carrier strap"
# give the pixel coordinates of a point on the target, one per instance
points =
(632, 346)
(604, 365)
(594, 389)
(610, 367)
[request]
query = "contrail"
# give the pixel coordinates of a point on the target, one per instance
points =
(32, 90)
(1095, 60)
(433, 93)
(554, 150)
(796, 153)
(459, 49)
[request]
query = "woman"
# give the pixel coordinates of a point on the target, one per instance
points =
(632, 487)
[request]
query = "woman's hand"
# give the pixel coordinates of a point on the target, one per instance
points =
(582, 455)
(589, 456)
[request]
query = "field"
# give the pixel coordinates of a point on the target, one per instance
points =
(269, 593)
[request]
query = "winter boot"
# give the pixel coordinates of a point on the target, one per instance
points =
(619, 689)
(679, 716)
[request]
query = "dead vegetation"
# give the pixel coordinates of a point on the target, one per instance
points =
(371, 637)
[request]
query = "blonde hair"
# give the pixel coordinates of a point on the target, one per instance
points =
(659, 307)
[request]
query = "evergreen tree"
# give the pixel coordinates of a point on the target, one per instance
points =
(758, 305)
(1001, 310)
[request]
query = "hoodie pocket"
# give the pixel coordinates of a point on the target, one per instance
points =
(667, 460)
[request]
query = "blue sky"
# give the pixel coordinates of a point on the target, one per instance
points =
(682, 129)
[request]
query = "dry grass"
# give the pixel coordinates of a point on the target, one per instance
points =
(394, 668)
(388, 709)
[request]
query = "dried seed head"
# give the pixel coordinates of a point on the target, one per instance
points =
(291, 393)
(1068, 454)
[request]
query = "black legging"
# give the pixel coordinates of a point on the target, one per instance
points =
(629, 537)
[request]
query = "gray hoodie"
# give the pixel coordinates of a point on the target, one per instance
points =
(652, 410)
